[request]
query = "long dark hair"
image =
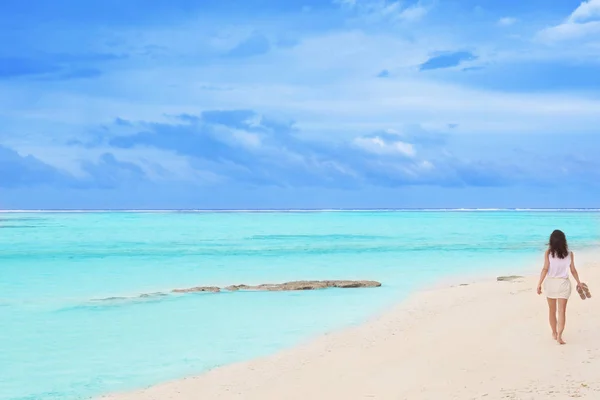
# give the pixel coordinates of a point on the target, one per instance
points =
(558, 244)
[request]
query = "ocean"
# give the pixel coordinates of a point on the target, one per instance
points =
(73, 324)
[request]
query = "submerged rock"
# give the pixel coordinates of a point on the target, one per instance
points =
(135, 298)
(112, 299)
(508, 278)
(212, 289)
(157, 294)
(353, 284)
(266, 287)
(305, 285)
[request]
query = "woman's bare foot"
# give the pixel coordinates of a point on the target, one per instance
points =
(554, 334)
(560, 340)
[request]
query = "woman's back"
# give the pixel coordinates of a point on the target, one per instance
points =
(559, 267)
(557, 285)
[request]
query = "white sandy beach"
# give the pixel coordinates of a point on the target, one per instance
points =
(485, 340)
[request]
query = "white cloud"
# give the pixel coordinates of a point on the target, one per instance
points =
(413, 13)
(426, 165)
(157, 164)
(345, 3)
(246, 139)
(587, 11)
(570, 31)
(378, 145)
(325, 85)
(582, 23)
(507, 21)
(378, 10)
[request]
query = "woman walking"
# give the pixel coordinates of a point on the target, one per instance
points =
(558, 261)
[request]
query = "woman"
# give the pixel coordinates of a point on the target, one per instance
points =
(558, 260)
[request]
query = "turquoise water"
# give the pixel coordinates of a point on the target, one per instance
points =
(57, 341)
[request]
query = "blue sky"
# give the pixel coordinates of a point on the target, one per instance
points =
(299, 104)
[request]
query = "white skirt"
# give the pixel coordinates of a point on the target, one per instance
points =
(557, 288)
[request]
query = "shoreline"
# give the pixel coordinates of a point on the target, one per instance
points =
(480, 339)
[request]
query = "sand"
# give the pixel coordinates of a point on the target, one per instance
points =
(484, 340)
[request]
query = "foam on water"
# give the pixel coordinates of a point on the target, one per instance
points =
(60, 340)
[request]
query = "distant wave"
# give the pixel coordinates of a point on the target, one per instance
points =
(357, 210)
(329, 236)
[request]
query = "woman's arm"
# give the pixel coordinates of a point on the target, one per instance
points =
(574, 271)
(543, 273)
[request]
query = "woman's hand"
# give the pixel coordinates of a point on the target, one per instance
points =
(539, 289)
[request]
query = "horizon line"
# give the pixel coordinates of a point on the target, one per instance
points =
(234, 210)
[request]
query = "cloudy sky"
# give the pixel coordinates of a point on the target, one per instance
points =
(299, 103)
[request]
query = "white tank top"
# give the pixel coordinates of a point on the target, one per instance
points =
(559, 267)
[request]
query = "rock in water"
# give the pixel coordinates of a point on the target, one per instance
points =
(286, 286)
(233, 288)
(508, 278)
(212, 289)
(300, 285)
(352, 284)
(157, 294)
(112, 299)
(305, 285)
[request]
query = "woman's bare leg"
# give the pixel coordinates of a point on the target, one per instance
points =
(562, 319)
(552, 316)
